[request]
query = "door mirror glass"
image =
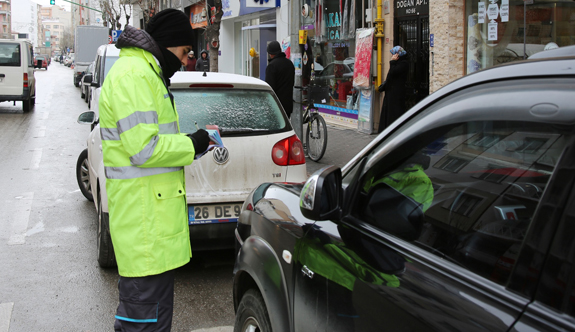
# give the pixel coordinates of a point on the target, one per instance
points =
(87, 118)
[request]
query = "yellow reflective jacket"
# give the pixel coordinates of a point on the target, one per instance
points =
(144, 155)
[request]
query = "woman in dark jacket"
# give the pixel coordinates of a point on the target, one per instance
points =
(203, 63)
(394, 101)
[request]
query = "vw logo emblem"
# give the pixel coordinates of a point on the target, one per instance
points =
(221, 155)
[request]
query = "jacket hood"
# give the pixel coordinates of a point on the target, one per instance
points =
(202, 52)
(132, 37)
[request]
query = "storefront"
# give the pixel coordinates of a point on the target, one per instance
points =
(499, 32)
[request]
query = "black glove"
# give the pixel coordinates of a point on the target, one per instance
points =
(201, 140)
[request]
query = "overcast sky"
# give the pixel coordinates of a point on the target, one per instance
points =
(58, 3)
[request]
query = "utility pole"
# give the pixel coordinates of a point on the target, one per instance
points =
(294, 26)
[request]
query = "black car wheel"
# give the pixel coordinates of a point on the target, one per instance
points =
(83, 175)
(27, 105)
(106, 256)
(252, 315)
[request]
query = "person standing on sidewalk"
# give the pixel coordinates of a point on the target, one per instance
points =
(191, 65)
(394, 101)
(203, 63)
(280, 75)
(144, 154)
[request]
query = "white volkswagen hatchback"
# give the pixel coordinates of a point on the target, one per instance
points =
(259, 146)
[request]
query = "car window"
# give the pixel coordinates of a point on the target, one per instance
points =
(30, 56)
(97, 69)
(10, 55)
(235, 112)
(466, 192)
(110, 60)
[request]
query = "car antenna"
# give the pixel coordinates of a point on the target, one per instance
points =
(204, 74)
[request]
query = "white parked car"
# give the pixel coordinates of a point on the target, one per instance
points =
(106, 56)
(260, 146)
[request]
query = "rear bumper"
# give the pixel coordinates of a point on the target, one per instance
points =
(24, 96)
(214, 236)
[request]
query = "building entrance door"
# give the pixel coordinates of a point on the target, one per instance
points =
(412, 33)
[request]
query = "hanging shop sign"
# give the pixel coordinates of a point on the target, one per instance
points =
(411, 7)
(332, 20)
(199, 15)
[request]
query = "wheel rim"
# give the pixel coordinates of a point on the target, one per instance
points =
(251, 325)
(85, 176)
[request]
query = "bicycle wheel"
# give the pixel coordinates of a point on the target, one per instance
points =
(316, 136)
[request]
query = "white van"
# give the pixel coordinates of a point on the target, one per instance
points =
(17, 82)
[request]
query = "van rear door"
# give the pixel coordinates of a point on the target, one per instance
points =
(12, 60)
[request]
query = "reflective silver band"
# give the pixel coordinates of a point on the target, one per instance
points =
(113, 134)
(109, 134)
(168, 128)
(141, 157)
(136, 118)
(132, 172)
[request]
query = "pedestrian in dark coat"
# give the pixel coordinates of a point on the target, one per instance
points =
(394, 101)
(280, 75)
(203, 63)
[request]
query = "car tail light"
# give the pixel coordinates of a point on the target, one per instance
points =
(25, 80)
(288, 151)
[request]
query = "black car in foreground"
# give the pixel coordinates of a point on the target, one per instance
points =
(458, 217)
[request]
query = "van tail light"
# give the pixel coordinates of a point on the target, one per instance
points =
(25, 80)
(288, 151)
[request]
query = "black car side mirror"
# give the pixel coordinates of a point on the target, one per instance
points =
(88, 78)
(87, 117)
(321, 196)
(95, 84)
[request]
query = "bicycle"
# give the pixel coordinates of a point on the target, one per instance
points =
(316, 131)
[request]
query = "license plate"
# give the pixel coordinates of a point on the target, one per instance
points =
(212, 214)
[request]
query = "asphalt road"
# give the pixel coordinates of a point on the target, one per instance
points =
(49, 277)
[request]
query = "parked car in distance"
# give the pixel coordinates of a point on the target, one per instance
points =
(40, 62)
(260, 146)
(17, 81)
(69, 60)
(86, 82)
(457, 217)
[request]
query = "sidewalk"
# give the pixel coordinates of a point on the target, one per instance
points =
(343, 144)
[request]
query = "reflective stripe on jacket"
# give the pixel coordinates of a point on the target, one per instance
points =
(144, 155)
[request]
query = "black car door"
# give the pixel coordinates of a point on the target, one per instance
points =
(436, 216)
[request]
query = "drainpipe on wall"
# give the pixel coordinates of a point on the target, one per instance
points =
(379, 35)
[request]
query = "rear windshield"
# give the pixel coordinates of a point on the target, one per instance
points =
(10, 54)
(235, 112)
(110, 60)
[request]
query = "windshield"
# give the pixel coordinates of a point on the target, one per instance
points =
(10, 54)
(235, 112)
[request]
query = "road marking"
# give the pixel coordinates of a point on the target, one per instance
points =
(19, 217)
(217, 329)
(5, 316)
(41, 132)
(36, 158)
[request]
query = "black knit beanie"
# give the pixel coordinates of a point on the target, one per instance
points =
(171, 28)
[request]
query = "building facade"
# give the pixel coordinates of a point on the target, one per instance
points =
(5, 19)
(25, 14)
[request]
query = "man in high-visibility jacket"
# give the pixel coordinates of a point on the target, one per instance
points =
(144, 154)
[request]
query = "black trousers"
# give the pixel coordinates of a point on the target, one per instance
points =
(146, 303)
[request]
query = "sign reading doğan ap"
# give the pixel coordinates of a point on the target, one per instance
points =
(411, 7)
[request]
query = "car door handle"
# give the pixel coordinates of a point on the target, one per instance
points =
(307, 272)
(2, 75)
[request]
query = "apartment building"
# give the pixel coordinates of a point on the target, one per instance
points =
(5, 19)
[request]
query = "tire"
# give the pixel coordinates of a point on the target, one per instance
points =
(27, 105)
(83, 175)
(106, 257)
(316, 138)
(252, 314)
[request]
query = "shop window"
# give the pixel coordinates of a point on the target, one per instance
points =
(517, 32)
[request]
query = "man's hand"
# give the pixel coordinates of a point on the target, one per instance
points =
(395, 57)
(201, 140)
